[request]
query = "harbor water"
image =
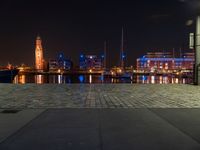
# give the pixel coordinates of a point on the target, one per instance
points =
(67, 79)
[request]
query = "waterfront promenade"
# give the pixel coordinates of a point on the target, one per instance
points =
(99, 117)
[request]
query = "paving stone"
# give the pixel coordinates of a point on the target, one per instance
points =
(99, 96)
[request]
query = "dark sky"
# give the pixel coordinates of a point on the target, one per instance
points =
(82, 26)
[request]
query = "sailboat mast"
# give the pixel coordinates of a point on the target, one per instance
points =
(122, 50)
(105, 55)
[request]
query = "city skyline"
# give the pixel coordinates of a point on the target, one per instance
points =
(82, 27)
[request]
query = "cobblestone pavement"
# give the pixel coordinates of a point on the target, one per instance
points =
(99, 96)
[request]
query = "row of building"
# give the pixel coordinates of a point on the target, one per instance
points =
(86, 62)
(157, 62)
(152, 62)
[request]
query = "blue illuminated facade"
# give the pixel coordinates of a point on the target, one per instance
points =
(165, 63)
(87, 62)
(60, 63)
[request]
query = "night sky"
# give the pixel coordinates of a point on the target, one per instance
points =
(74, 27)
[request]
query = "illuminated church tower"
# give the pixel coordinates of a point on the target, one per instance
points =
(39, 58)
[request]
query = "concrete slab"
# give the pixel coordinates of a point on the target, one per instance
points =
(140, 129)
(100, 129)
(186, 120)
(12, 122)
(69, 118)
(58, 129)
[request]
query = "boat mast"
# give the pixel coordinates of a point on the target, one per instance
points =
(122, 50)
(105, 55)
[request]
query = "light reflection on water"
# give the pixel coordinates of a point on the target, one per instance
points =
(39, 79)
(63, 79)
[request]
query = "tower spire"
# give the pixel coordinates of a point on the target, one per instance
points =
(38, 37)
(39, 58)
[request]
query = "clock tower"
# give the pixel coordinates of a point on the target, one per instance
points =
(39, 57)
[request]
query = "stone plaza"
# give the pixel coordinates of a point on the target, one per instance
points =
(99, 96)
(99, 117)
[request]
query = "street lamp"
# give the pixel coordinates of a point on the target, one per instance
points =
(195, 6)
(197, 52)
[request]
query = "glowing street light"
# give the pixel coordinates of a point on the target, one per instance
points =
(197, 52)
(197, 46)
(195, 38)
(194, 6)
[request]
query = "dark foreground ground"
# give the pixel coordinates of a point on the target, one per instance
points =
(101, 129)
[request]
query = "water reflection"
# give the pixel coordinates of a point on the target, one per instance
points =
(63, 79)
(101, 78)
(81, 78)
(162, 80)
(153, 79)
(39, 79)
(165, 80)
(176, 80)
(90, 79)
(184, 81)
(59, 79)
(20, 79)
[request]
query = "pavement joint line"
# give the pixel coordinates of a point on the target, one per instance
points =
(100, 131)
(170, 123)
(21, 128)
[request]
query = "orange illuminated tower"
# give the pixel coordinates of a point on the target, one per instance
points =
(39, 58)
